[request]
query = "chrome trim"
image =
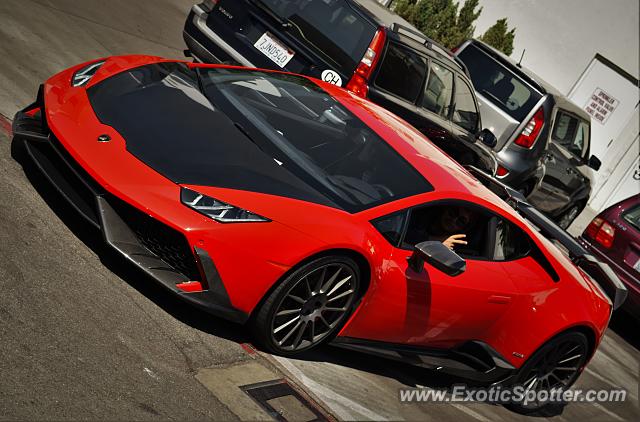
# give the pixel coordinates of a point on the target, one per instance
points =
(200, 21)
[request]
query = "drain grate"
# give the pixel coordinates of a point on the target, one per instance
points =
(284, 403)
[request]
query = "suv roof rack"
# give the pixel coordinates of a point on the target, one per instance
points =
(429, 43)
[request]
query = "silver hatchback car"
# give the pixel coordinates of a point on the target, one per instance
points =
(542, 138)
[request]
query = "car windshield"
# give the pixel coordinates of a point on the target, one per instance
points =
(498, 84)
(312, 136)
(332, 27)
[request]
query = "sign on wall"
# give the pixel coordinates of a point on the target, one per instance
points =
(601, 105)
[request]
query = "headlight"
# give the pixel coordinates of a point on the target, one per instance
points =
(84, 75)
(218, 210)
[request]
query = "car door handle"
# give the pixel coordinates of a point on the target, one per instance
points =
(500, 300)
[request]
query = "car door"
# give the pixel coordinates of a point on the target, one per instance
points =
(429, 308)
(465, 126)
(564, 156)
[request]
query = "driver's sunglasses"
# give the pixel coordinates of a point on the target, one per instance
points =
(459, 219)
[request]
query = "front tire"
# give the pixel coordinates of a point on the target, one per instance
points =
(569, 216)
(308, 307)
(556, 365)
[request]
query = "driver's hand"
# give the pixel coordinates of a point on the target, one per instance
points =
(456, 239)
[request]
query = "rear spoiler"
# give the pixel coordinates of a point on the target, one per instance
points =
(600, 272)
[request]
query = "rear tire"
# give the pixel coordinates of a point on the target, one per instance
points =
(557, 364)
(308, 307)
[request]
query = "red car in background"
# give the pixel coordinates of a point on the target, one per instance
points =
(614, 237)
(313, 215)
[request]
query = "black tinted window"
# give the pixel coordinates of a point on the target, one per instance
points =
(488, 236)
(331, 26)
(402, 72)
(498, 84)
(465, 113)
(510, 242)
(312, 136)
(391, 226)
(438, 91)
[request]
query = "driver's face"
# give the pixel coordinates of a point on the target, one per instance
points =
(455, 219)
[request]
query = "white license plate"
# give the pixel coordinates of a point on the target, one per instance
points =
(274, 49)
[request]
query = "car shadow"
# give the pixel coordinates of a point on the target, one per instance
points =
(127, 271)
(406, 374)
(626, 326)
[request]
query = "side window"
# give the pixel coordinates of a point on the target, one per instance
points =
(510, 242)
(402, 72)
(391, 226)
(488, 236)
(465, 113)
(438, 91)
(572, 133)
(633, 217)
(581, 144)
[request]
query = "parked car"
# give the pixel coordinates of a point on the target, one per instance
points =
(614, 237)
(360, 45)
(543, 139)
(293, 206)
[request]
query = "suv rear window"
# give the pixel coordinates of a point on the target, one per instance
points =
(331, 26)
(402, 72)
(498, 84)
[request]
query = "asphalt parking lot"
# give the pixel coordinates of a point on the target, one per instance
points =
(85, 336)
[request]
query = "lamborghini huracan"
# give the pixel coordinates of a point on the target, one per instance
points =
(312, 215)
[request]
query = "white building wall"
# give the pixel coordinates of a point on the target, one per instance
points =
(562, 36)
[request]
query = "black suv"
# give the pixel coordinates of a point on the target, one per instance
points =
(542, 138)
(360, 45)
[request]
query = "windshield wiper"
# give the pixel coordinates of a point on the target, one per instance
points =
(283, 21)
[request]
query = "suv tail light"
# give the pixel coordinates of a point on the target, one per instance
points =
(605, 235)
(593, 227)
(531, 131)
(360, 80)
(601, 231)
(501, 171)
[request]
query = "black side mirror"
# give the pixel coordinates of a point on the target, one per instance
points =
(488, 138)
(594, 163)
(437, 255)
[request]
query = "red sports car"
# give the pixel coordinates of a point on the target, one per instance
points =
(313, 215)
